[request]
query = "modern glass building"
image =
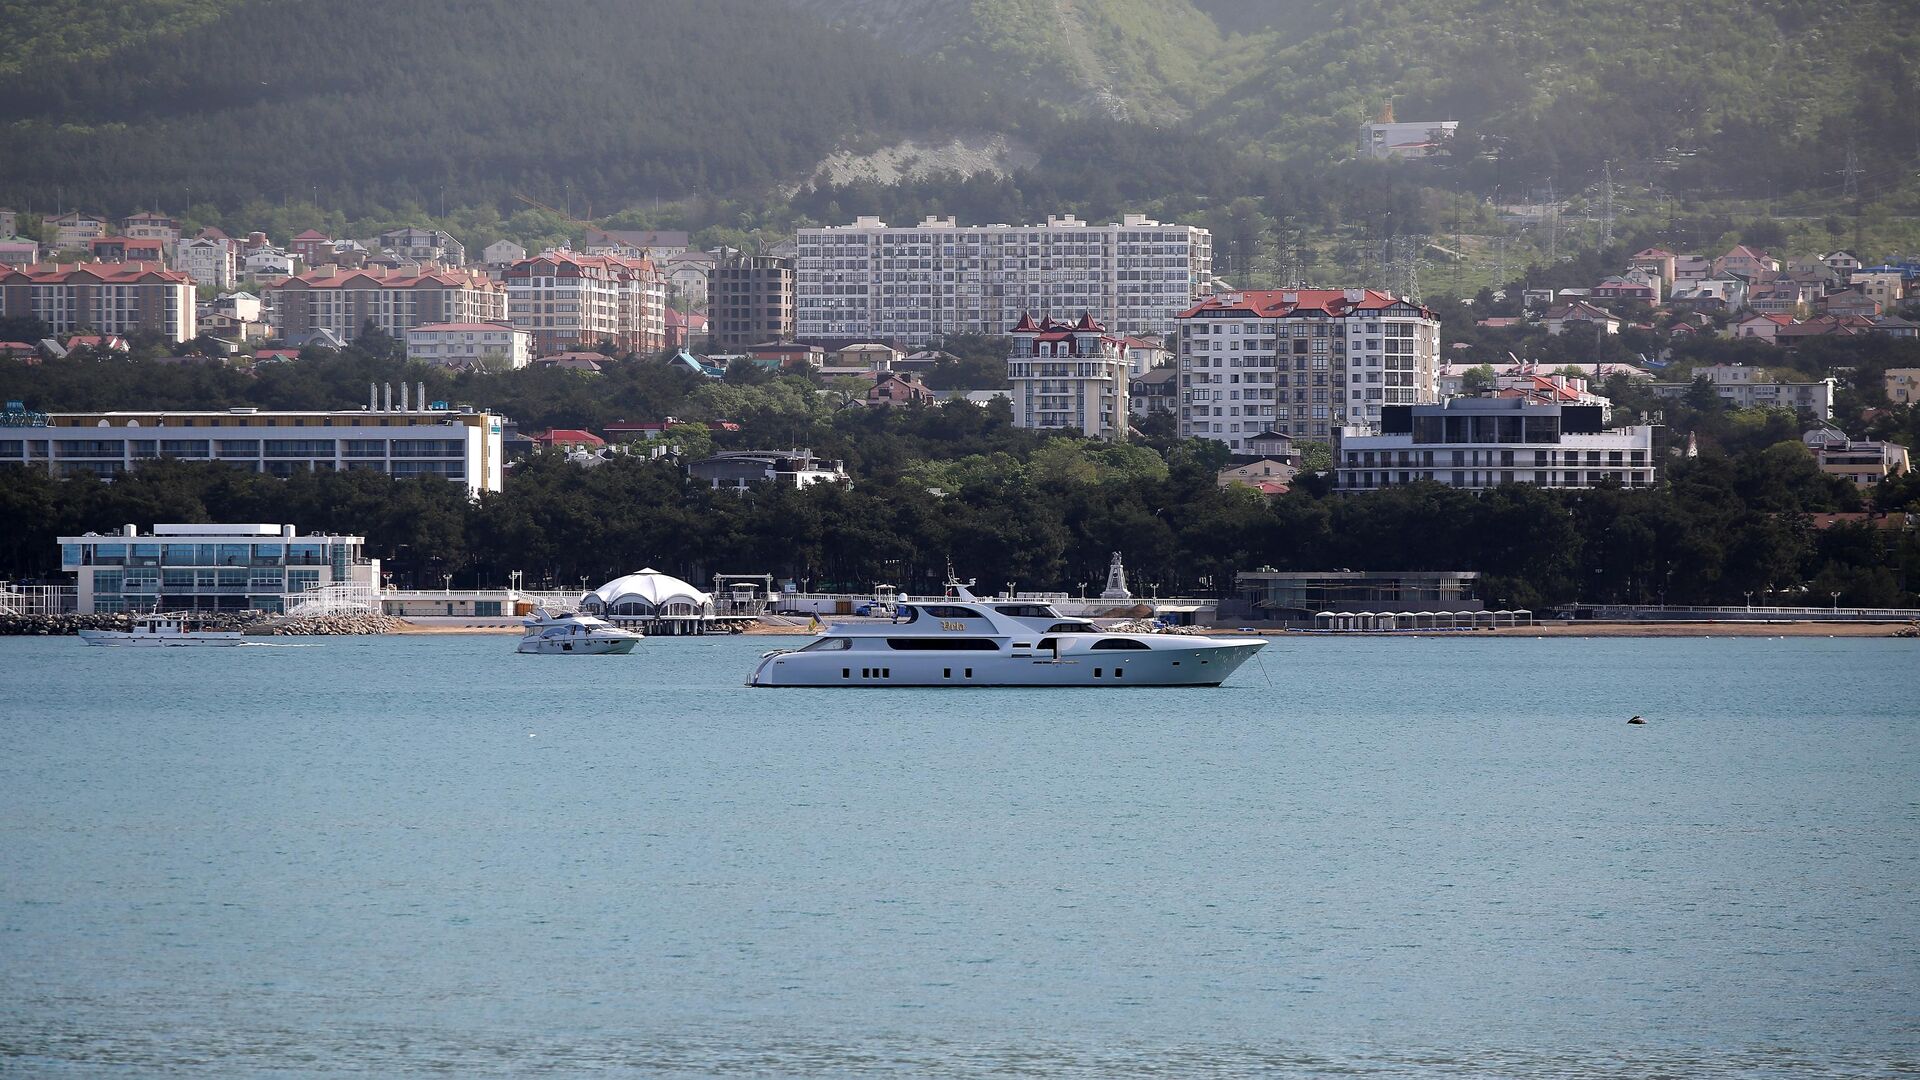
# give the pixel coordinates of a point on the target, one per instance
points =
(209, 567)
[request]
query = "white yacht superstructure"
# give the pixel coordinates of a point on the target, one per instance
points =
(155, 631)
(967, 641)
(569, 632)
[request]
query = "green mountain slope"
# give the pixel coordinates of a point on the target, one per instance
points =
(363, 101)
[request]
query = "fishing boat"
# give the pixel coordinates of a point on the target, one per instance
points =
(570, 632)
(163, 631)
(962, 640)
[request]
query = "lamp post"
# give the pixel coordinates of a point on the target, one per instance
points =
(1836, 601)
(1749, 599)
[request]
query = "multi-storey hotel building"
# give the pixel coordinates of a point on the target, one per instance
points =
(1302, 362)
(210, 567)
(569, 301)
(396, 301)
(104, 298)
(870, 280)
(461, 446)
(1069, 377)
(1484, 442)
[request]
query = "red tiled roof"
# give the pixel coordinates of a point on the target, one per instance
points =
(127, 273)
(384, 278)
(1273, 303)
(570, 435)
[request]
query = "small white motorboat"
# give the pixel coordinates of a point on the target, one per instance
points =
(165, 631)
(573, 632)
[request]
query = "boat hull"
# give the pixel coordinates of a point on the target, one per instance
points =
(591, 647)
(157, 641)
(1189, 662)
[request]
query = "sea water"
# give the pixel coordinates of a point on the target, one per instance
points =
(1374, 857)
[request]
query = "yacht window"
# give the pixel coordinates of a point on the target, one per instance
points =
(1120, 643)
(1026, 611)
(1070, 628)
(830, 644)
(948, 611)
(937, 644)
(1049, 644)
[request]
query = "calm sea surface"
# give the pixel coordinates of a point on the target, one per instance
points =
(1360, 857)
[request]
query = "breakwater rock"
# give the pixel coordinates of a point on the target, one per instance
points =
(54, 625)
(333, 625)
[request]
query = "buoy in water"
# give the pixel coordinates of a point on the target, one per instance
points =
(1636, 720)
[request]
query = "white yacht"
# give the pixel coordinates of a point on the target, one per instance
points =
(572, 632)
(162, 631)
(966, 641)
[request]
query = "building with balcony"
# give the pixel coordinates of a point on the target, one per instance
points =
(1746, 387)
(1861, 462)
(1303, 362)
(912, 284)
(1479, 443)
(569, 301)
(483, 346)
(210, 567)
(738, 470)
(463, 446)
(1069, 377)
(105, 298)
(208, 260)
(343, 301)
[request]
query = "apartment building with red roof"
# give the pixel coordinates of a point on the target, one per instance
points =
(104, 298)
(567, 300)
(1303, 362)
(396, 301)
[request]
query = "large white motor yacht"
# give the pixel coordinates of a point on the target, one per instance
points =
(571, 632)
(162, 631)
(966, 641)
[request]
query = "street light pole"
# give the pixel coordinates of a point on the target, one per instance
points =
(1836, 601)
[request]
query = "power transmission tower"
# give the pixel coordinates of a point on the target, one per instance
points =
(1853, 171)
(1606, 220)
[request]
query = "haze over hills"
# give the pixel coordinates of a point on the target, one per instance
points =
(610, 103)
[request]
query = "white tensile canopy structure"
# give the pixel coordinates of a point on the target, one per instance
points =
(648, 594)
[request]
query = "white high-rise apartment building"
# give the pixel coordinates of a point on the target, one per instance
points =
(1069, 377)
(208, 261)
(914, 284)
(1303, 362)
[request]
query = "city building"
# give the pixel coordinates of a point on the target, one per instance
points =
(1069, 377)
(208, 261)
(1886, 285)
(899, 388)
(485, 346)
(1302, 362)
(1862, 462)
(1409, 139)
(650, 244)
(1145, 354)
(119, 249)
(107, 298)
(567, 301)
(269, 262)
(1296, 598)
(688, 274)
(16, 251)
(1265, 475)
(313, 247)
(9, 222)
(150, 225)
(1903, 385)
(423, 246)
(460, 445)
(198, 567)
(749, 300)
(913, 284)
(74, 230)
(1481, 442)
(1748, 388)
(738, 470)
(1157, 391)
(343, 301)
(502, 253)
(1579, 315)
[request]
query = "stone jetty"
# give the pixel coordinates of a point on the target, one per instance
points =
(247, 622)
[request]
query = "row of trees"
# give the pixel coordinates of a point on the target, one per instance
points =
(1044, 514)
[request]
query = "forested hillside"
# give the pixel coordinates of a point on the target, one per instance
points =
(605, 105)
(370, 102)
